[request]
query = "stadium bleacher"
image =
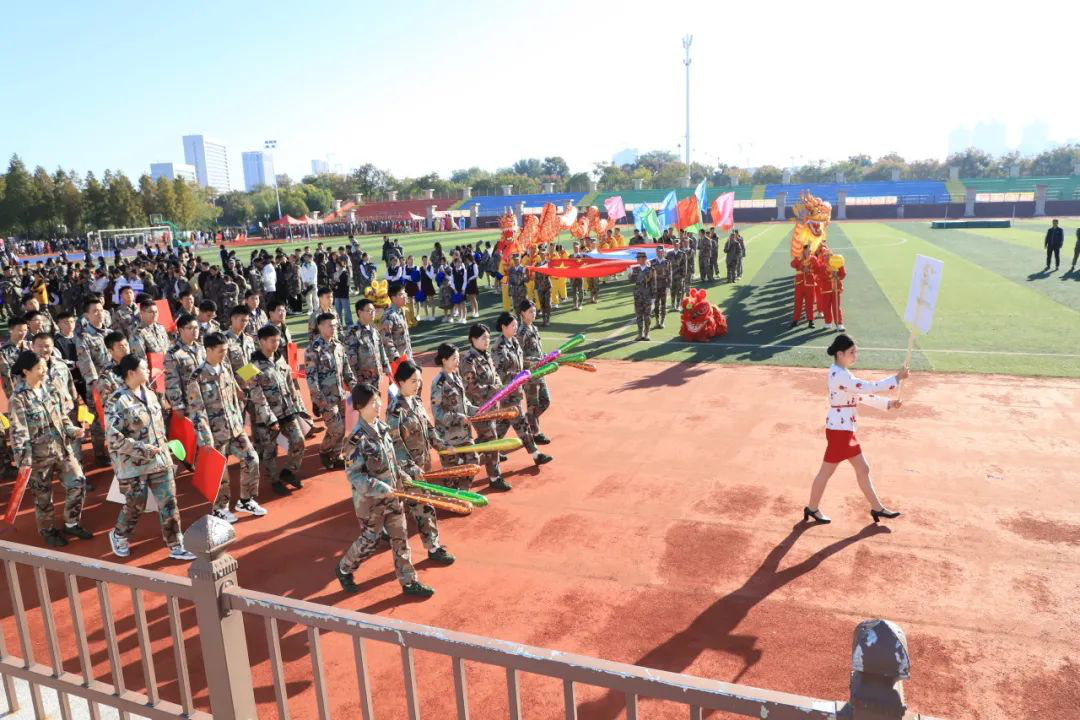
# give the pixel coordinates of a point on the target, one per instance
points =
(911, 190)
(491, 205)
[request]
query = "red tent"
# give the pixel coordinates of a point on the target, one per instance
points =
(286, 219)
(305, 220)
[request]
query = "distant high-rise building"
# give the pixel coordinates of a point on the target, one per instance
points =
(210, 160)
(1035, 138)
(959, 140)
(171, 171)
(625, 157)
(320, 167)
(258, 169)
(990, 137)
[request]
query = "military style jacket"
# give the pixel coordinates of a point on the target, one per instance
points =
(509, 361)
(413, 434)
(241, 348)
(479, 375)
(313, 327)
(60, 383)
(135, 433)
(90, 351)
(395, 334)
(451, 408)
(180, 362)
(148, 339)
(327, 371)
(255, 322)
(125, 318)
(366, 353)
(532, 348)
(644, 281)
(39, 428)
(9, 353)
(214, 405)
(272, 394)
(372, 457)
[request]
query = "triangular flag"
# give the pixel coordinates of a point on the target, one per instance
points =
(247, 372)
(17, 492)
(182, 429)
(165, 318)
(209, 469)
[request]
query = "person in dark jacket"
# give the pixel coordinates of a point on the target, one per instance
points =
(1055, 238)
(1076, 251)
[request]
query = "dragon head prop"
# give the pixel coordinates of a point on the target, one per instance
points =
(812, 216)
(378, 295)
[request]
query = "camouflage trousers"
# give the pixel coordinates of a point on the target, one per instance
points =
(6, 456)
(732, 270)
(97, 439)
(537, 401)
(642, 306)
(676, 293)
(521, 425)
(373, 514)
(594, 289)
(73, 482)
(334, 417)
(518, 295)
(545, 307)
(240, 448)
(136, 490)
(659, 308)
(577, 291)
(484, 432)
(266, 446)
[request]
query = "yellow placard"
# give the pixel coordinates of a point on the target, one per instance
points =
(4, 422)
(85, 416)
(247, 372)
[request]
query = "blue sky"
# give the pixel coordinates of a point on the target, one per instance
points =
(419, 86)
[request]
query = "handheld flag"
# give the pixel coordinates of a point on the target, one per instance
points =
(615, 208)
(17, 492)
(291, 354)
(156, 363)
(85, 416)
(669, 213)
(209, 469)
(723, 211)
(4, 422)
(182, 429)
(247, 372)
(165, 318)
(177, 449)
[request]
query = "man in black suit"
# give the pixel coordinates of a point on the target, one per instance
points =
(1055, 238)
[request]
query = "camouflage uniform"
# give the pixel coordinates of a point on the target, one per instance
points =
(690, 252)
(714, 254)
(366, 354)
(372, 458)
(274, 399)
(451, 408)
(577, 286)
(180, 363)
(414, 436)
(40, 439)
(61, 384)
(481, 382)
(228, 297)
(108, 383)
(704, 259)
(395, 334)
(543, 294)
(9, 353)
(92, 357)
(256, 321)
(141, 461)
(661, 271)
(148, 339)
(644, 287)
(537, 397)
(211, 326)
(313, 327)
(517, 287)
(677, 260)
(327, 368)
(241, 348)
(214, 406)
(508, 360)
(125, 318)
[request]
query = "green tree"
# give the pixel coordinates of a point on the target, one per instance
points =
(973, 163)
(883, 167)
(165, 199)
(317, 198)
(371, 181)
(531, 167)
(929, 169)
(125, 206)
(146, 195)
(206, 213)
(1003, 165)
(612, 177)
(1058, 161)
(656, 160)
(578, 182)
(728, 175)
(237, 208)
(43, 215)
(95, 203)
(184, 193)
(555, 168)
(767, 174)
(16, 212)
(672, 175)
(67, 199)
(265, 204)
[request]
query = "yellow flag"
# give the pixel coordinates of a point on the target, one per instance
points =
(247, 372)
(4, 422)
(85, 416)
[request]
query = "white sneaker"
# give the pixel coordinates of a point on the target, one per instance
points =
(119, 544)
(250, 507)
(224, 514)
(840, 328)
(179, 553)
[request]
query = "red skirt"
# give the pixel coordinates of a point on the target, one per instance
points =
(843, 445)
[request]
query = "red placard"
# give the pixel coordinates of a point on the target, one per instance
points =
(17, 492)
(156, 363)
(100, 409)
(292, 354)
(182, 429)
(165, 318)
(209, 469)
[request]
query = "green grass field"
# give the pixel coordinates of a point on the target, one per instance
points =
(997, 312)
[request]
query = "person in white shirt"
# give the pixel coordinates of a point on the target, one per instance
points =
(845, 392)
(309, 280)
(269, 280)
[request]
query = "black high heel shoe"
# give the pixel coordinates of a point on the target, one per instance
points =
(815, 515)
(884, 513)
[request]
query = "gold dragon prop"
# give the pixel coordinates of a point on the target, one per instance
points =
(812, 216)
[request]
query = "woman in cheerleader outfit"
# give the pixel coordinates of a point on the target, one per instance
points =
(845, 392)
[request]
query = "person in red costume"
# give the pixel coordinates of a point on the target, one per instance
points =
(830, 284)
(805, 267)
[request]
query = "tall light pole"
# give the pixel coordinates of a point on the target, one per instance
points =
(270, 145)
(686, 61)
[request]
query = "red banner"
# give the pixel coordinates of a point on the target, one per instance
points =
(99, 408)
(165, 318)
(585, 268)
(209, 469)
(723, 211)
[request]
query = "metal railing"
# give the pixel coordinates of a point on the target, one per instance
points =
(879, 665)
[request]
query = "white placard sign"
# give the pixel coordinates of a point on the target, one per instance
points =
(115, 496)
(923, 294)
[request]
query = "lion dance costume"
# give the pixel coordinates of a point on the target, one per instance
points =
(812, 217)
(701, 320)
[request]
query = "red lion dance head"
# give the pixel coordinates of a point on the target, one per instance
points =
(701, 321)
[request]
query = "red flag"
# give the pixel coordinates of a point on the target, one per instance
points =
(156, 361)
(209, 469)
(292, 353)
(100, 409)
(165, 318)
(17, 492)
(689, 212)
(723, 211)
(182, 429)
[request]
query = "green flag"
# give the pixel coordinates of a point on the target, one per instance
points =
(651, 224)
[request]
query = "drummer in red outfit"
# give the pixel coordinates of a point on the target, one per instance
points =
(805, 283)
(830, 286)
(845, 392)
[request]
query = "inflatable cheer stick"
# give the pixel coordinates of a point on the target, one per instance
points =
(587, 367)
(504, 445)
(472, 498)
(510, 387)
(554, 354)
(572, 343)
(550, 357)
(571, 358)
(545, 370)
(452, 473)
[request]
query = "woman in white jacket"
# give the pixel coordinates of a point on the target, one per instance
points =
(845, 392)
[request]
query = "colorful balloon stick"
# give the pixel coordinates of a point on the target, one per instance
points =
(504, 445)
(545, 370)
(572, 343)
(452, 473)
(550, 357)
(470, 497)
(587, 367)
(519, 380)
(571, 358)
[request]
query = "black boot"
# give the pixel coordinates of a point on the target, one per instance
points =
(498, 483)
(441, 556)
(54, 539)
(541, 439)
(289, 478)
(77, 531)
(280, 488)
(542, 459)
(418, 589)
(347, 583)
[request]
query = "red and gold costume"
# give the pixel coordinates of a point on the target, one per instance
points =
(805, 285)
(830, 285)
